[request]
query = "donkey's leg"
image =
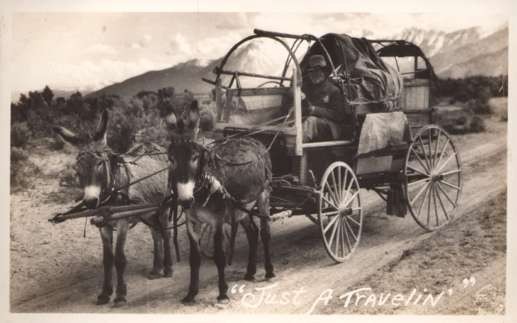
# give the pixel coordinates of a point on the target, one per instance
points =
(252, 234)
(194, 260)
(265, 232)
(167, 256)
(120, 262)
(107, 260)
(157, 254)
(167, 250)
(220, 261)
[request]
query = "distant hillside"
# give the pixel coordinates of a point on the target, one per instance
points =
(463, 52)
(182, 76)
(455, 54)
(487, 56)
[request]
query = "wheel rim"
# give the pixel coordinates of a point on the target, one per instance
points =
(340, 213)
(433, 172)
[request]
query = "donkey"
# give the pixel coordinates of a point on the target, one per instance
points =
(216, 186)
(100, 171)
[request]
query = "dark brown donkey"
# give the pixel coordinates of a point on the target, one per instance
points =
(100, 171)
(216, 186)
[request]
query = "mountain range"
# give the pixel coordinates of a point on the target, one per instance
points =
(456, 54)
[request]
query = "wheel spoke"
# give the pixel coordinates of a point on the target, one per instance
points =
(446, 195)
(333, 233)
(353, 220)
(330, 223)
(337, 236)
(450, 185)
(343, 229)
(429, 206)
(452, 172)
(348, 243)
(422, 204)
(420, 161)
(329, 213)
(441, 203)
(419, 181)
(436, 146)
(428, 163)
(329, 202)
(350, 228)
(445, 163)
(344, 182)
(443, 151)
(335, 190)
(331, 194)
(429, 140)
(417, 170)
(419, 193)
(340, 187)
(435, 206)
(350, 200)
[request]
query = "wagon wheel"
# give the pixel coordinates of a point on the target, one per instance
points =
(206, 240)
(340, 213)
(433, 172)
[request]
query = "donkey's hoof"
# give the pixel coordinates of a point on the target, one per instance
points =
(188, 300)
(120, 301)
(102, 299)
(249, 277)
(270, 275)
(154, 275)
(223, 299)
(167, 273)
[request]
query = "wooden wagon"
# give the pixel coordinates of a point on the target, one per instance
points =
(323, 180)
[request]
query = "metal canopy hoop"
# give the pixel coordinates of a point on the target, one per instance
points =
(433, 172)
(340, 211)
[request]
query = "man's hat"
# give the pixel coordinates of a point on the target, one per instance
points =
(317, 61)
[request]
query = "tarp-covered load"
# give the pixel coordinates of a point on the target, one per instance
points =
(366, 77)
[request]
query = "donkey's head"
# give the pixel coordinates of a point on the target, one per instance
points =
(187, 157)
(94, 161)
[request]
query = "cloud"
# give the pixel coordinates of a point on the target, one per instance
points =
(180, 45)
(101, 50)
(233, 21)
(144, 42)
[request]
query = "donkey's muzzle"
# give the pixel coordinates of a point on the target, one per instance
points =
(91, 203)
(186, 203)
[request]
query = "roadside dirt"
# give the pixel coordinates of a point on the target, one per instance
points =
(55, 269)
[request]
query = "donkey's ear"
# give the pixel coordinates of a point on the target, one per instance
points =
(68, 135)
(193, 114)
(100, 132)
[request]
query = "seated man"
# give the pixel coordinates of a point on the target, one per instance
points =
(324, 106)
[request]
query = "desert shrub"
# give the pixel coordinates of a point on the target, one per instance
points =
(477, 124)
(504, 116)
(121, 131)
(56, 144)
(20, 134)
(478, 106)
(22, 169)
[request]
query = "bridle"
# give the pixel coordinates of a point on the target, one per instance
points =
(104, 158)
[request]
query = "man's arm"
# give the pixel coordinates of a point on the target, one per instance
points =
(335, 109)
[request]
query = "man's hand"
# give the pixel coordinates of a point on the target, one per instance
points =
(307, 108)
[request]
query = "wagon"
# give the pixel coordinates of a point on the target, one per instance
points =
(420, 174)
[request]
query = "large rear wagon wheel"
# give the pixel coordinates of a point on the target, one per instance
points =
(340, 213)
(433, 172)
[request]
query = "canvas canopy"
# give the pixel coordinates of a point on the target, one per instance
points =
(366, 77)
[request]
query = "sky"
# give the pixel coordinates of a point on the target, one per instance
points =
(87, 51)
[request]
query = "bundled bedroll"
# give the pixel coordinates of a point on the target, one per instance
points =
(366, 77)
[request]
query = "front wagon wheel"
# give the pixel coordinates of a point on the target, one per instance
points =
(340, 213)
(434, 183)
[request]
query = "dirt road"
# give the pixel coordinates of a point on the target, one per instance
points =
(55, 269)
